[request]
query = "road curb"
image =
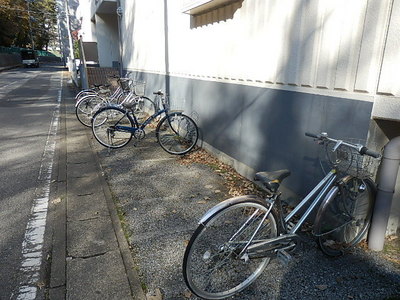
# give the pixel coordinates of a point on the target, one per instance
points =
(58, 210)
(133, 277)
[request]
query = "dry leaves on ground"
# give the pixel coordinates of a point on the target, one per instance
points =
(237, 184)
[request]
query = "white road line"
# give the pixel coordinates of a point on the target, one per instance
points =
(32, 245)
(4, 86)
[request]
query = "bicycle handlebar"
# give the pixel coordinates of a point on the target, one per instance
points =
(313, 135)
(360, 148)
(366, 151)
(158, 93)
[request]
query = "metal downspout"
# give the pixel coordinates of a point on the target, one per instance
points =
(386, 185)
(120, 44)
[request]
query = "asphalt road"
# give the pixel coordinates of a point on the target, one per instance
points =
(28, 122)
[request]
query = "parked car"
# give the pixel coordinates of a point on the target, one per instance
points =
(29, 58)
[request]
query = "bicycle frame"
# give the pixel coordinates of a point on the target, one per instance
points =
(322, 187)
(318, 194)
(143, 125)
(147, 121)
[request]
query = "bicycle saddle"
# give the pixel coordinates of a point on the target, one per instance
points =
(272, 180)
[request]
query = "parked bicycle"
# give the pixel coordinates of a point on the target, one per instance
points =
(236, 239)
(91, 102)
(113, 126)
(102, 89)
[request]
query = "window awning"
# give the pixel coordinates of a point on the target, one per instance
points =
(195, 7)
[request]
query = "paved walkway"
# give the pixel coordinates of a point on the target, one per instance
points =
(91, 258)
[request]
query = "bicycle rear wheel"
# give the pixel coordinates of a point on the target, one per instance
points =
(86, 107)
(177, 133)
(104, 127)
(344, 217)
(213, 267)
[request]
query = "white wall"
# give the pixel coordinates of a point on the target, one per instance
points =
(143, 35)
(334, 47)
(83, 13)
(107, 39)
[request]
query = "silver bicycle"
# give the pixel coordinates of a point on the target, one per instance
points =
(236, 239)
(127, 91)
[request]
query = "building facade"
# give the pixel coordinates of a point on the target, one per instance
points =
(257, 74)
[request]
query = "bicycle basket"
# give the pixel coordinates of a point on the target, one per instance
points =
(139, 88)
(125, 83)
(349, 161)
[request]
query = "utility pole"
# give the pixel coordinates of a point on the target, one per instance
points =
(71, 45)
(120, 14)
(65, 32)
(30, 24)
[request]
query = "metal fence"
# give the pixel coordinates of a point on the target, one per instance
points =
(16, 50)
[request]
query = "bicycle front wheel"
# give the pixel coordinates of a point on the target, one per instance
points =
(86, 107)
(143, 109)
(213, 267)
(343, 218)
(177, 133)
(106, 127)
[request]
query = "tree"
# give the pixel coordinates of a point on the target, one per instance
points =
(44, 20)
(13, 23)
(18, 25)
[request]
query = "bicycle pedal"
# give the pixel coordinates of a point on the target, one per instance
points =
(283, 257)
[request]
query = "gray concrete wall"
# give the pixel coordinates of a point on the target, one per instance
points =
(255, 129)
(7, 60)
(263, 129)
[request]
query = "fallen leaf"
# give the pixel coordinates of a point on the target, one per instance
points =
(321, 287)
(40, 285)
(154, 295)
(56, 201)
(187, 294)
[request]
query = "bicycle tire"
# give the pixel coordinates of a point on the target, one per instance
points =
(103, 127)
(211, 266)
(177, 133)
(86, 107)
(343, 218)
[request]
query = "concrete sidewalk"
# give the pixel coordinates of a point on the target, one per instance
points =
(90, 256)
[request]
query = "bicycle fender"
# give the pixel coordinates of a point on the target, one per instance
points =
(330, 195)
(226, 203)
(83, 98)
(176, 112)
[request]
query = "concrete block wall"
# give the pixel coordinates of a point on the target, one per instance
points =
(7, 60)
(99, 75)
